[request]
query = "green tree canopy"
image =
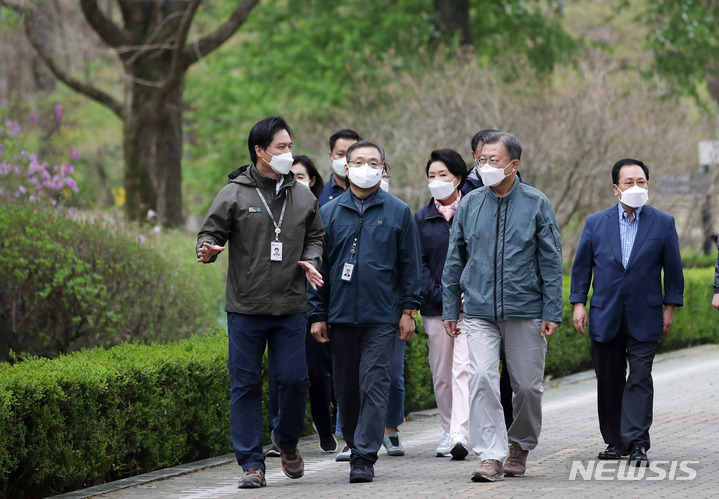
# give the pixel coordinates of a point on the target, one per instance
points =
(684, 38)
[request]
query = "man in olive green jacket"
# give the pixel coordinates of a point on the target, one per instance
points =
(275, 232)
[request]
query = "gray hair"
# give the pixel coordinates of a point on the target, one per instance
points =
(366, 143)
(514, 149)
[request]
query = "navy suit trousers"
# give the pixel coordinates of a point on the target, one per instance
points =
(625, 404)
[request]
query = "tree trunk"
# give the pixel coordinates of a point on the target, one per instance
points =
(153, 151)
(153, 122)
(713, 86)
(453, 19)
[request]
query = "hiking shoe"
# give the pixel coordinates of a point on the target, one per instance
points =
(393, 445)
(460, 449)
(490, 470)
(253, 478)
(445, 447)
(272, 451)
(361, 471)
(327, 443)
(345, 454)
(292, 463)
(516, 463)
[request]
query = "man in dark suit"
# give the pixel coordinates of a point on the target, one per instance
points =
(626, 247)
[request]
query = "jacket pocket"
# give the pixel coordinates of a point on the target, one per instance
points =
(596, 301)
(654, 300)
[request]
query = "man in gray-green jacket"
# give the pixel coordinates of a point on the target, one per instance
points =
(275, 232)
(505, 263)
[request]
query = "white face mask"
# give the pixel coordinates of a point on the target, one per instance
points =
(634, 197)
(338, 166)
(384, 185)
(365, 176)
(440, 189)
(281, 164)
(306, 183)
(492, 176)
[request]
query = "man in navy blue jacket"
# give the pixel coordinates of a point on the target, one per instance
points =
(627, 247)
(373, 280)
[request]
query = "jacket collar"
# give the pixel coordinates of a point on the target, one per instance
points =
(345, 199)
(249, 175)
(512, 192)
(431, 210)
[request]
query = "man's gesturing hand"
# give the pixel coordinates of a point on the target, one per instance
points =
(207, 251)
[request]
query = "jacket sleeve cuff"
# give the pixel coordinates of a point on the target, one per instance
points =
(671, 299)
(316, 318)
(578, 298)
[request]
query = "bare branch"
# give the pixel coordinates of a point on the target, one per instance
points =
(108, 30)
(83, 88)
(177, 67)
(214, 40)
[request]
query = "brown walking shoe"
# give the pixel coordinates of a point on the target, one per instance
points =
(490, 470)
(253, 478)
(516, 463)
(292, 463)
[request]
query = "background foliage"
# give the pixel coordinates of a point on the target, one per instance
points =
(67, 283)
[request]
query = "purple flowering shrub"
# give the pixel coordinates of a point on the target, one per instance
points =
(23, 175)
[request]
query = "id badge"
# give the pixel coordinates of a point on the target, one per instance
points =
(348, 270)
(276, 251)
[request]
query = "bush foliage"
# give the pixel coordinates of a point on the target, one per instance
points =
(100, 415)
(67, 284)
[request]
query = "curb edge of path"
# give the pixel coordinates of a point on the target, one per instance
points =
(213, 462)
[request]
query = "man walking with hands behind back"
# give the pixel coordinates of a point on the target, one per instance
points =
(626, 247)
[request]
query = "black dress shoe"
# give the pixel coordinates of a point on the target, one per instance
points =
(611, 452)
(638, 455)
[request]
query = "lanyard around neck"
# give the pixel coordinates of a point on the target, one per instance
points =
(278, 225)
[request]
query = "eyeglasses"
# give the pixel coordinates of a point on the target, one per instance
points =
(631, 183)
(493, 162)
(358, 163)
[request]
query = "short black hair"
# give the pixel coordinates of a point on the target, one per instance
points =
(479, 136)
(312, 172)
(452, 160)
(345, 133)
(626, 162)
(511, 143)
(263, 132)
(366, 143)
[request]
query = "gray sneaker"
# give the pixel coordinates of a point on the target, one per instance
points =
(393, 445)
(345, 454)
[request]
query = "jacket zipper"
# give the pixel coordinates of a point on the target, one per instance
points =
(496, 255)
(356, 269)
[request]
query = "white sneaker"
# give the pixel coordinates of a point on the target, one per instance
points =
(445, 447)
(345, 454)
(460, 449)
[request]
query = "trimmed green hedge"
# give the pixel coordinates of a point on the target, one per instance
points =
(695, 323)
(99, 415)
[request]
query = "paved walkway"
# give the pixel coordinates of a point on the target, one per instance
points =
(686, 428)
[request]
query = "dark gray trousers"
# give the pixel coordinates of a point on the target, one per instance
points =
(361, 362)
